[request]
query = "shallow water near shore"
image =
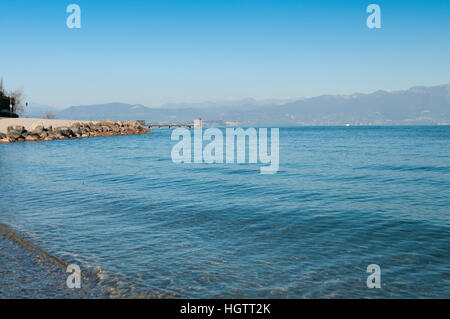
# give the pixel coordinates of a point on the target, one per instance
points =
(343, 198)
(27, 271)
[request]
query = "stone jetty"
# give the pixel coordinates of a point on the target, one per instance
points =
(64, 130)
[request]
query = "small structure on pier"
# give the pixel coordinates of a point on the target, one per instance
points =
(198, 123)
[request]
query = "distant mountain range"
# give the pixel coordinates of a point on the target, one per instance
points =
(417, 106)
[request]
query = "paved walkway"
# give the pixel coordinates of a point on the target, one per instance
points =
(31, 123)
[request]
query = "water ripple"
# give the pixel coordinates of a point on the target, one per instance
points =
(343, 199)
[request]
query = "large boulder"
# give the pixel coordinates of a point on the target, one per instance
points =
(38, 129)
(32, 137)
(15, 134)
(16, 128)
(64, 131)
(115, 129)
(76, 130)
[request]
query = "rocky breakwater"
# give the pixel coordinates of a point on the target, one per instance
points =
(19, 133)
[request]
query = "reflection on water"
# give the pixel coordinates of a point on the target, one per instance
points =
(343, 198)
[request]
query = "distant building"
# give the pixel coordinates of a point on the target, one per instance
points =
(198, 123)
(6, 106)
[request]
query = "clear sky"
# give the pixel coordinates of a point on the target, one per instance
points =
(153, 52)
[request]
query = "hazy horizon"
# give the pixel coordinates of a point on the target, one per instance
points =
(415, 106)
(262, 102)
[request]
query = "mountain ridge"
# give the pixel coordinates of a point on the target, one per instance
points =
(418, 105)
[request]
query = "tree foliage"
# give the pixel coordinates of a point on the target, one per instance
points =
(16, 97)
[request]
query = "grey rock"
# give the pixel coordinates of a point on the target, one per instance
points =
(14, 134)
(32, 137)
(19, 128)
(76, 130)
(64, 131)
(38, 129)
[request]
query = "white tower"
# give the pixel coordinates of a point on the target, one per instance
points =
(198, 123)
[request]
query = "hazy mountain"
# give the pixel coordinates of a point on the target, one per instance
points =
(34, 110)
(111, 111)
(418, 105)
(248, 103)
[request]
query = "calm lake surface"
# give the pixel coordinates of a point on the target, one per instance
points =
(344, 198)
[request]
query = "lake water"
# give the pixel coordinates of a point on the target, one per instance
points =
(343, 198)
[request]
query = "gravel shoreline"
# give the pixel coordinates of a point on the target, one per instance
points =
(27, 272)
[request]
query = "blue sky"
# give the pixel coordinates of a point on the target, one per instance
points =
(153, 52)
